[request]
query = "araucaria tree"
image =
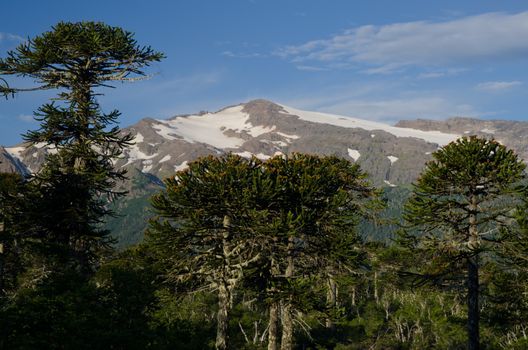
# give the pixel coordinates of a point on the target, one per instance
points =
(283, 222)
(316, 205)
(213, 214)
(460, 208)
(78, 178)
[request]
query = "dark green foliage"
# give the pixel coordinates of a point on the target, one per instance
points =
(463, 204)
(232, 223)
(77, 180)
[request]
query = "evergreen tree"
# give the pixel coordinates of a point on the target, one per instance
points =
(463, 199)
(209, 234)
(78, 178)
(316, 205)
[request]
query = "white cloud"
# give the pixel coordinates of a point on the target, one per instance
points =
(495, 86)
(10, 37)
(387, 48)
(441, 74)
(26, 118)
(311, 68)
(232, 54)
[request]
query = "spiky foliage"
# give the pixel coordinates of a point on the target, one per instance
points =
(463, 199)
(231, 220)
(214, 218)
(78, 178)
(317, 204)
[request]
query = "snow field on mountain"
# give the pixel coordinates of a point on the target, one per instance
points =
(354, 154)
(349, 122)
(210, 128)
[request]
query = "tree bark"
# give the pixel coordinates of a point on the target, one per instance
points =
(473, 278)
(287, 316)
(331, 299)
(273, 329)
(287, 326)
(222, 317)
(224, 297)
(473, 304)
(376, 295)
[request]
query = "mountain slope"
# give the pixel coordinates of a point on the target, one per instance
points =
(262, 128)
(10, 163)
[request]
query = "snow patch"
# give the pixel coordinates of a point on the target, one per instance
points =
(134, 153)
(280, 143)
(354, 154)
(182, 166)
(488, 131)
(392, 159)
(390, 184)
(166, 158)
(16, 152)
(247, 154)
(288, 136)
(138, 138)
(211, 128)
(437, 137)
(373, 135)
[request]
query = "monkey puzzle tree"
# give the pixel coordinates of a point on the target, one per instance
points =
(460, 204)
(210, 219)
(316, 205)
(77, 179)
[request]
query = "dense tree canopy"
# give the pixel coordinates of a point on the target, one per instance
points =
(279, 222)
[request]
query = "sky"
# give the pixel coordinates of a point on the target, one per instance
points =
(380, 60)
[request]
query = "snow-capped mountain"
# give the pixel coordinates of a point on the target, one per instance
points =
(392, 155)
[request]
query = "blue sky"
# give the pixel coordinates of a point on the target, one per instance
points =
(381, 60)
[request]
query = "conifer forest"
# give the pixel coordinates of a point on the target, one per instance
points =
(241, 252)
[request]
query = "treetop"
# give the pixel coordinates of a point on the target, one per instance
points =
(93, 51)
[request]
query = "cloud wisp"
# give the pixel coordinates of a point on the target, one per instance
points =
(497, 86)
(10, 37)
(393, 47)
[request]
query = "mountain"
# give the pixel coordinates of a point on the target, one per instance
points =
(393, 156)
(513, 134)
(10, 163)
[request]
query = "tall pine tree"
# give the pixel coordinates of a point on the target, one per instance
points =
(463, 199)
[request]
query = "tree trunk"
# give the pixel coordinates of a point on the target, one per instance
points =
(287, 326)
(273, 329)
(376, 295)
(287, 316)
(473, 304)
(473, 279)
(224, 297)
(331, 299)
(222, 317)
